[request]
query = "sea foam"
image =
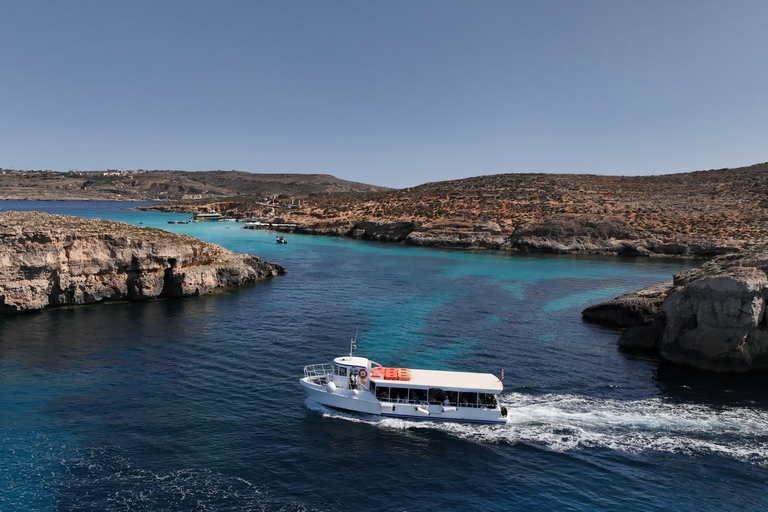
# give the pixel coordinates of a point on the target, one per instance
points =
(566, 422)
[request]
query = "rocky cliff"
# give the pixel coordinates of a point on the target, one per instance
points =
(55, 260)
(712, 318)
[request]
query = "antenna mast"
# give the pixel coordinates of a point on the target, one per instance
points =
(353, 342)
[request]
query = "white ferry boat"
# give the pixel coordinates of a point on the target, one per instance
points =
(358, 384)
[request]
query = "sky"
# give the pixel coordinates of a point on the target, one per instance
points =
(387, 92)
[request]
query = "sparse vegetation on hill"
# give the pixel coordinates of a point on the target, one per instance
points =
(143, 185)
(698, 213)
(718, 204)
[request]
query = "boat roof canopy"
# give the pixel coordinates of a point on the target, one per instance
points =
(448, 380)
(425, 379)
(350, 362)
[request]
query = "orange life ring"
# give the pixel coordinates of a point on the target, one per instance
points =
(363, 373)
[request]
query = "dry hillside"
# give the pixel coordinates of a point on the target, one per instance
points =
(142, 185)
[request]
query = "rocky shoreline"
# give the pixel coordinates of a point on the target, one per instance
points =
(557, 234)
(57, 260)
(712, 318)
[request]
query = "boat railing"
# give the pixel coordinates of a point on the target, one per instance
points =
(426, 403)
(474, 405)
(317, 370)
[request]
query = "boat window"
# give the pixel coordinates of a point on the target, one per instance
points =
(488, 400)
(382, 393)
(436, 395)
(340, 370)
(398, 394)
(418, 395)
(468, 399)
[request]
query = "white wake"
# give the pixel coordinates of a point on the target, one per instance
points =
(574, 422)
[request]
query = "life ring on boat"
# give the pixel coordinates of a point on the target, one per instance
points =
(363, 373)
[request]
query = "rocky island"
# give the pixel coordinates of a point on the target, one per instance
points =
(714, 317)
(56, 260)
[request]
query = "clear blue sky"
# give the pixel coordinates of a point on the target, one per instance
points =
(393, 93)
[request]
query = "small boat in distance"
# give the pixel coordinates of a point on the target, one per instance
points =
(281, 240)
(207, 217)
(358, 384)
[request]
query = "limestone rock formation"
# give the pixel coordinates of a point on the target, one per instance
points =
(718, 321)
(710, 318)
(638, 313)
(457, 236)
(589, 234)
(55, 260)
(391, 232)
(487, 235)
(570, 233)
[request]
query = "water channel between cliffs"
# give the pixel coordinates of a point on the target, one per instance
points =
(169, 403)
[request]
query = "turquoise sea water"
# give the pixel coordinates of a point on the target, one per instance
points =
(194, 404)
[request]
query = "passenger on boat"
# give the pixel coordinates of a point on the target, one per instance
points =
(446, 402)
(436, 396)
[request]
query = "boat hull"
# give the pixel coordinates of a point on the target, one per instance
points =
(346, 399)
(445, 416)
(364, 402)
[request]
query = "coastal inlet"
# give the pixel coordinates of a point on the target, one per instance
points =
(167, 405)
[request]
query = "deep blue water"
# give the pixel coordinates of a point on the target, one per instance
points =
(194, 404)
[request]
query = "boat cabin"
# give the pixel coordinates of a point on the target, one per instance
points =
(407, 386)
(346, 372)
